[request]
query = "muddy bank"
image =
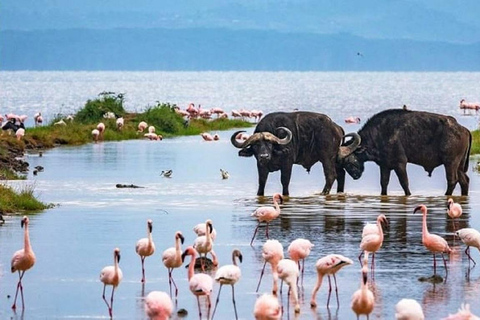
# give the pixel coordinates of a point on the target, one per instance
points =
(11, 158)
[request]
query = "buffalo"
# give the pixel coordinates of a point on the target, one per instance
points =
(395, 137)
(282, 139)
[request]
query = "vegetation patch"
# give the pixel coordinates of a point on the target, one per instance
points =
(20, 201)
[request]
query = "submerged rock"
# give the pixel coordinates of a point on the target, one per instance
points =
(433, 279)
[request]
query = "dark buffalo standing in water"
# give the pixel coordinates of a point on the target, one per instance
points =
(393, 138)
(282, 139)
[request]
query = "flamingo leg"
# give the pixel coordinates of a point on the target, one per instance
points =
(434, 265)
(199, 309)
(104, 299)
(336, 290)
(170, 281)
(111, 302)
(261, 275)
(467, 251)
(360, 257)
(303, 269)
(143, 269)
(216, 302)
(266, 231)
(445, 263)
(255, 233)
(19, 287)
(234, 304)
(329, 290)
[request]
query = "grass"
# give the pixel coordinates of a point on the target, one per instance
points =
(20, 201)
(475, 142)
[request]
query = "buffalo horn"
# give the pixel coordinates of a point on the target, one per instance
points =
(345, 151)
(234, 140)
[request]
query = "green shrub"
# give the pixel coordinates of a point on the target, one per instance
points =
(164, 118)
(20, 200)
(94, 110)
(475, 142)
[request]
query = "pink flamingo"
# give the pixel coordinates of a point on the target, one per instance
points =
(363, 299)
(298, 250)
(145, 247)
(229, 274)
(328, 265)
(151, 129)
(352, 120)
(267, 214)
(111, 276)
(463, 313)
(471, 238)
(272, 252)
(217, 111)
(95, 134)
(142, 126)
(469, 105)
(408, 309)
(454, 210)
(206, 136)
(372, 237)
(200, 284)
(267, 307)
(20, 133)
(201, 230)
(101, 130)
(288, 273)
(22, 260)
(236, 114)
(204, 245)
(120, 122)
(38, 119)
(158, 306)
(432, 242)
(172, 258)
(153, 136)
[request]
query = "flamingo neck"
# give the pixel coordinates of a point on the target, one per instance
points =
(380, 229)
(424, 226)
(115, 264)
(191, 266)
(26, 240)
(150, 239)
(178, 247)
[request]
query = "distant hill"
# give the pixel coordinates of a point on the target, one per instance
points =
(225, 49)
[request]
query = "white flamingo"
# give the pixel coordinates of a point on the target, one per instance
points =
(145, 247)
(111, 276)
(172, 258)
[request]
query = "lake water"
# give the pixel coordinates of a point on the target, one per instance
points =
(75, 240)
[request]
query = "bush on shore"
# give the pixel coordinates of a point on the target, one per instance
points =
(20, 201)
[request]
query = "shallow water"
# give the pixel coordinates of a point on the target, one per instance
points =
(75, 240)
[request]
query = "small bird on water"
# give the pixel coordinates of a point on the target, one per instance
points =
(166, 173)
(225, 174)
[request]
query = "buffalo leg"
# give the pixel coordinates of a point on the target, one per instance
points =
(285, 176)
(384, 179)
(262, 179)
(452, 178)
(340, 179)
(401, 172)
(464, 181)
(330, 176)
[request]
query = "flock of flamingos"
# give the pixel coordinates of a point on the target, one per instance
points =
(158, 305)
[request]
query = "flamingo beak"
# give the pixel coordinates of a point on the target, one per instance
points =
(365, 277)
(22, 223)
(417, 209)
(240, 257)
(184, 254)
(118, 257)
(150, 227)
(182, 239)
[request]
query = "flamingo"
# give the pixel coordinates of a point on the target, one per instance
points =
(22, 260)
(95, 134)
(158, 305)
(288, 272)
(120, 122)
(111, 276)
(201, 230)
(204, 244)
(206, 136)
(352, 120)
(408, 309)
(454, 210)
(142, 126)
(298, 250)
(328, 265)
(172, 258)
(267, 214)
(200, 284)
(433, 242)
(363, 299)
(151, 129)
(272, 252)
(463, 313)
(145, 247)
(101, 130)
(229, 274)
(267, 307)
(38, 119)
(471, 238)
(20, 133)
(372, 238)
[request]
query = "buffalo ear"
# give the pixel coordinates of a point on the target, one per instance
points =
(246, 152)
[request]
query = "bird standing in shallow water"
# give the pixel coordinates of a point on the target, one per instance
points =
(267, 214)
(272, 252)
(408, 309)
(229, 274)
(288, 272)
(363, 299)
(225, 174)
(145, 247)
(454, 211)
(432, 242)
(158, 306)
(372, 238)
(298, 250)
(328, 265)
(471, 238)
(22, 260)
(267, 307)
(111, 276)
(204, 245)
(172, 258)
(166, 173)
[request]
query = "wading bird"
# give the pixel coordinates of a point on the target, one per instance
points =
(328, 265)
(272, 252)
(172, 258)
(229, 274)
(298, 250)
(435, 244)
(200, 284)
(288, 273)
(471, 238)
(372, 238)
(22, 260)
(463, 313)
(454, 211)
(166, 173)
(363, 299)
(267, 307)
(204, 245)
(267, 214)
(111, 276)
(145, 247)
(158, 305)
(408, 309)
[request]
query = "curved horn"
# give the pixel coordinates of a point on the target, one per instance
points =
(287, 139)
(234, 141)
(253, 138)
(345, 151)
